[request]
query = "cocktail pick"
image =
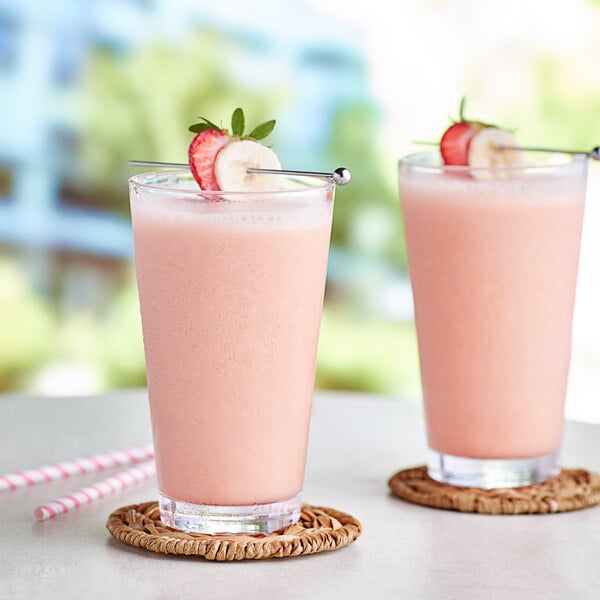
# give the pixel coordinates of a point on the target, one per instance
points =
(593, 154)
(340, 176)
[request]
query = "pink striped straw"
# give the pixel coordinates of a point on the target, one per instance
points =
(96, 491)
(77, 466)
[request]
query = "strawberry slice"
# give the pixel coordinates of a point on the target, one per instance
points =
(202, 155)
(455, 142)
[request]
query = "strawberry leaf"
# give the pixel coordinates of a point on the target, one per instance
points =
(212, 125)
(198, 127)
(463, 119)
(263, 130)
(461, 109)
(237, 122)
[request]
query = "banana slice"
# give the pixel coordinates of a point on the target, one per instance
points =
(484, 151)
(236, 158)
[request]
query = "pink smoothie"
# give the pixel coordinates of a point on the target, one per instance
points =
(231, 297)
(493, 266)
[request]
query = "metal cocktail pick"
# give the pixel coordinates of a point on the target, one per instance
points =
(340, 176)
(594, 153)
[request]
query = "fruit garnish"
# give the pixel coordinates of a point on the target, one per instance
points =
(234, 160)
(202, 155)
(478, 144)
(485, 149)
(215, 169)
(455, 143)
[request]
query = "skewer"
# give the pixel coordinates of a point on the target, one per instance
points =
(161, 165)
(593, 154)
(340, 176)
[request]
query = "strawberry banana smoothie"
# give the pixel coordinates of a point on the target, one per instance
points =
(231, 296)
(231, 288)
(493, 254)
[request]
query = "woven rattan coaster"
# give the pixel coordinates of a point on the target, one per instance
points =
(573, 489)
(319, 529)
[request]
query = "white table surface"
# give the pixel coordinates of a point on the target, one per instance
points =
(357, 443)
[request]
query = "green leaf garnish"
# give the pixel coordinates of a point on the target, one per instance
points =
(263, 130)
(198, 127)
(461, 108)
(237, 122)
(462, 117)
(212, 125)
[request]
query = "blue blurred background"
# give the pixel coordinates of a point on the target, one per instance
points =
(84, 86)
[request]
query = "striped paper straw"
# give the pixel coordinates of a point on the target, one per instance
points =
(96, 491)
(78, 466)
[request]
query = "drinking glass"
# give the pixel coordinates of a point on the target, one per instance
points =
(493, 255)
(231, 291)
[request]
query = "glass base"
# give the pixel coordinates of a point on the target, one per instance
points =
(491, 473)
(212, 519)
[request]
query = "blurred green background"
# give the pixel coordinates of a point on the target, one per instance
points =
(84, 86)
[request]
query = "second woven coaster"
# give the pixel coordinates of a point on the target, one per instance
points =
(573, 489)
(318, 530)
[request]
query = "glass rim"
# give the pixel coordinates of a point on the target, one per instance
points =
(417, 160)
(139, 181)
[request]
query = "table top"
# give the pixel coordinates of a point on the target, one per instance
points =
(357, 442)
